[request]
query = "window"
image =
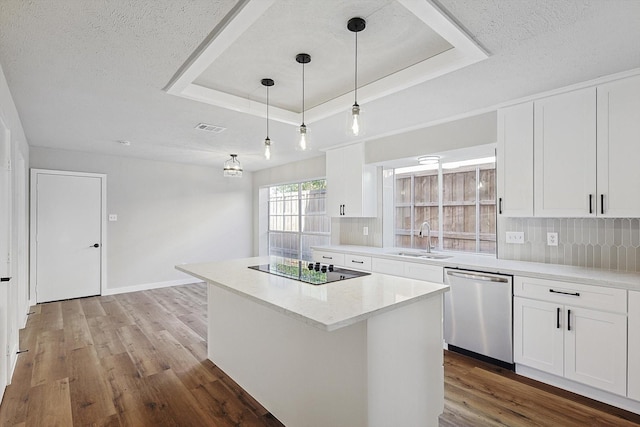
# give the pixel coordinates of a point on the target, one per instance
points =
(298, 219)
(459, 205)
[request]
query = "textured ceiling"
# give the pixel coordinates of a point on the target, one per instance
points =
(85, 74)
(393, 40)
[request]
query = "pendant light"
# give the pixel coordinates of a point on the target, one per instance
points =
(232, 167)
(267, 142)
(303, 58)
(355, 25)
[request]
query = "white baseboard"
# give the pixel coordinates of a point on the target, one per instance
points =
(147, 286)
(582, 389)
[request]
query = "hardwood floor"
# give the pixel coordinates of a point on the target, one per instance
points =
(139, 359)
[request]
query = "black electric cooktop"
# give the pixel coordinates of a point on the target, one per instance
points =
(308, 272)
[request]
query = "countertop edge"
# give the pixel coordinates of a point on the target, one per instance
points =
(327, 327)
(598, 277)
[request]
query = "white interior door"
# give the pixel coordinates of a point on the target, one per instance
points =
(69, 234)
(5, 251)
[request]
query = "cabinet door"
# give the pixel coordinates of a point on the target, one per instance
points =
(351, 185)
(619, 148)
(596, 349)
(538, 335)
(565, 155)
(335, 186)
(515, 161)
(634, 346)
(426, 272)
(387, 266)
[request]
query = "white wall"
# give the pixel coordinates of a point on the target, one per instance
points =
(462, 133)
(168, 213)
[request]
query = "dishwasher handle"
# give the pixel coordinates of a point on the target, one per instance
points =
(476, 276)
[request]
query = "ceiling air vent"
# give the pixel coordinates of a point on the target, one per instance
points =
(210, 128)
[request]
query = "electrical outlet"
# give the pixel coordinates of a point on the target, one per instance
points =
(365, 231)
(552, 239)
(113, 217)
(515, 237)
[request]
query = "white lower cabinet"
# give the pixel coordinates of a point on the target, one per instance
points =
(411, 270)
(634, 346)
(582, 344)
(334, 258)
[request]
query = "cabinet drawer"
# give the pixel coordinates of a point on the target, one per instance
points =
(334, 258)
(576, 294)
(427, 272)
(358, 262)
(387, 266)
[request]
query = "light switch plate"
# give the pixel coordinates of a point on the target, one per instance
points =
(113, 217)
(365, 231)
(515, 237)
(552, 239)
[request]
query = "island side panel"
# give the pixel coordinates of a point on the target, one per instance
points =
(301, 374)
(406, 365)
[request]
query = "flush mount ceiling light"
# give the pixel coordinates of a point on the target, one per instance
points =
(232, 167)
(428, 160)
(303, 58)
(267, 142)
(355, 25)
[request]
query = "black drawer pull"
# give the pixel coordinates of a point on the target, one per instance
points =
(500, 205)
(357, 262)
(558, 318)
(602, 204)
(326, 257)
(573, 294)
(568, 320)
(5, 279)
(590, 203)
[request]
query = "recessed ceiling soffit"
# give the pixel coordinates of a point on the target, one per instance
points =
(406, 42)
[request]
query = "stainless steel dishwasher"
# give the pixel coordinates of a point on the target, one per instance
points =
(478, 315)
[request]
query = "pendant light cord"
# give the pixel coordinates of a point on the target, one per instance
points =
(356, 73)
(267, 112)
(303, 93)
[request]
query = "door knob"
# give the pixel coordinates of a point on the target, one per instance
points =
(96, 245)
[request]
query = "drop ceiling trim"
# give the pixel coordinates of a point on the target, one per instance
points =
(465, 52)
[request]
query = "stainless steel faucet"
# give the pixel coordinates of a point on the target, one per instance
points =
(421, 234)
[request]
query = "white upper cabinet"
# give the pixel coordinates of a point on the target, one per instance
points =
(515, 161)
(619, 148)
(351, 185)
(565, 155)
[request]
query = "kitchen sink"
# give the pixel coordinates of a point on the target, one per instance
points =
(421, 255)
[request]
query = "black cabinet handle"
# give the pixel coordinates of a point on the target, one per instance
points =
(568, 320)
(343, 206)
(5, 279)
(573, 294)
(500, 205)
(357, 262)
(590, 203)
(558, 318)
(326, 257)
(95, 245)
(602, 204)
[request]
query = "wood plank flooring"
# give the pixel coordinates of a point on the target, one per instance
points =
(139, 359)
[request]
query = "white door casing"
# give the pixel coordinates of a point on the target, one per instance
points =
(68, 218)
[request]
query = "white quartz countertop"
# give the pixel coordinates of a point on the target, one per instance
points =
(328, 307)
(490, 264)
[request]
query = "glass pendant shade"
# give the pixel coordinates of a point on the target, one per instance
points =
(267, 148)
(355, 120)
(302, 144)
(232, 167)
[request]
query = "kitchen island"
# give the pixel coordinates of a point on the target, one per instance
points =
(365, 351)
